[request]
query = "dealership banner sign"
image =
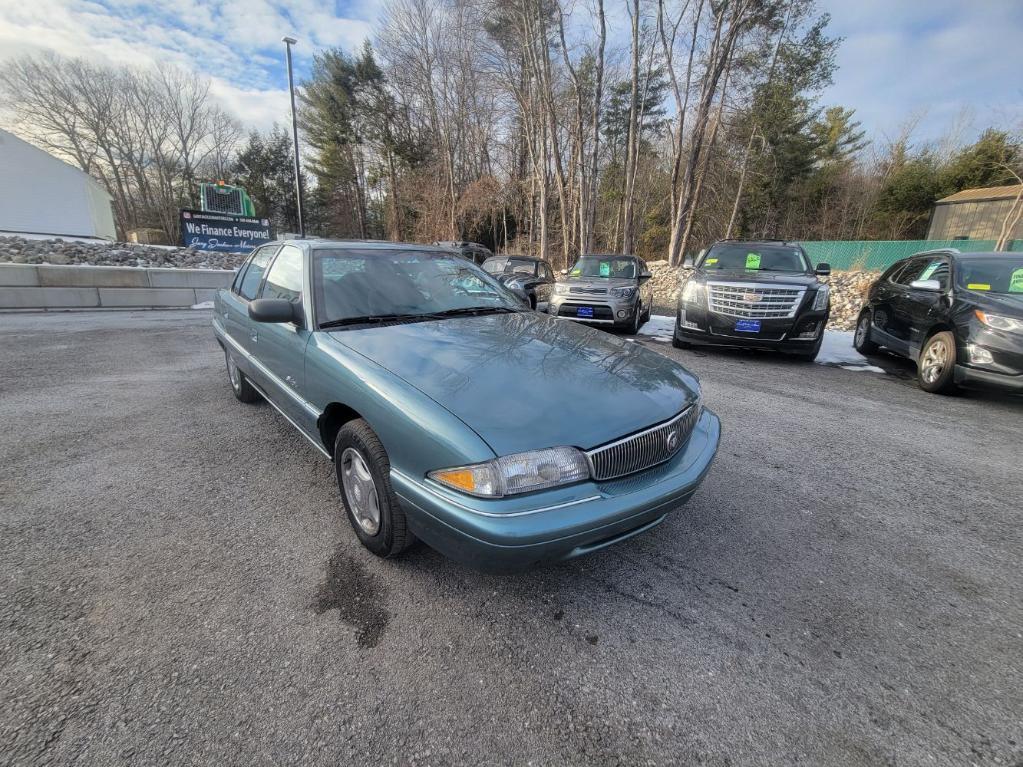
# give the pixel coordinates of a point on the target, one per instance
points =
(223, 232)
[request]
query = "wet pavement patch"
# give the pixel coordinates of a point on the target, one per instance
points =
(356, 594)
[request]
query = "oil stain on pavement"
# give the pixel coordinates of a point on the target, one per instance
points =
(355, 593)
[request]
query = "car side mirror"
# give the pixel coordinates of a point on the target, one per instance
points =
(823, 269)
(563, 272)
(274, 310)
(688, 262)
(931, 286)
(644, 276)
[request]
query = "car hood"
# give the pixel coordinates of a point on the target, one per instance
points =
(739, 275)
(598, 282)
(525, 381)
(1008, 304)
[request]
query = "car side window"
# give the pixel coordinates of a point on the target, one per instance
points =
(284, 280)
(937, 269)
(912, 271)
(254, 273)
(240, 274)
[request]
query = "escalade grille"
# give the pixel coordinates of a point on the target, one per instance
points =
(641, 451)
(589, 291)
(737, 299)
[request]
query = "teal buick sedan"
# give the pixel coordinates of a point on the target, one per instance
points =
(455, 415)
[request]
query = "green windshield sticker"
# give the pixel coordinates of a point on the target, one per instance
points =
(711, 261)
(605, 268)
(752, 260)
(978, 286)
(931, 269)
(1016, 281)
(576, 272)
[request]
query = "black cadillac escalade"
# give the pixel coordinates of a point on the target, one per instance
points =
(761, 294)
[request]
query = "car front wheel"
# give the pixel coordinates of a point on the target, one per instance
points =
(935, 367)
(363, 475)
(239, 383)
(637, 321)
(861, 338)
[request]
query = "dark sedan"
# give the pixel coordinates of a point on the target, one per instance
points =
(958, 315)
(531, 278)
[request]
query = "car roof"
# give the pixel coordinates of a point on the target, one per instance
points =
(516, 256)
(382, 245)
(607, 255)
(757, 242)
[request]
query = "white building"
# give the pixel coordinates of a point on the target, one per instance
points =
(41, 195)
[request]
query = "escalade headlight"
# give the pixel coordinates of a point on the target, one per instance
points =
(998, 322)
(820, 301)
(560, 289)
(622, 292)
(517, 473)
(692, 292)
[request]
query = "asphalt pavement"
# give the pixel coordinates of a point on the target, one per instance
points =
(178, 584)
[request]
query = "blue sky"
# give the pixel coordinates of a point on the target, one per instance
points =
(948, 65)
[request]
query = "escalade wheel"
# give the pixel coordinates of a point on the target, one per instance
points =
(363, 475)
(936, 364)
(239, 383)
(861, 339)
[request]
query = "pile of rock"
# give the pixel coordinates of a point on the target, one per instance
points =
(19, 250)
(847, 292)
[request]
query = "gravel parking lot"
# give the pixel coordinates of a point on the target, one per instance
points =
(179, 585)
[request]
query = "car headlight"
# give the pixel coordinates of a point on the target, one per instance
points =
(998, 322)
(820, 301)
(560, 289)
(517, 473)
(692, 292)
(622, 292)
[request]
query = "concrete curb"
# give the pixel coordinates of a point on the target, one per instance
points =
(46, 287)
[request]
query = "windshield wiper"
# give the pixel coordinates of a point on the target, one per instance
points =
(370, 319)
(476, 310)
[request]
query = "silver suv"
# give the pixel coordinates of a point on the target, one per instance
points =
(610, 290)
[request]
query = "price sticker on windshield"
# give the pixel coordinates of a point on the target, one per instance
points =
(752, 261)
(605, 268)
(1016, 281)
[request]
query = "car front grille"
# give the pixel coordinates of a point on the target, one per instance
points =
(644, 450)
(746, 299)
(589, 291)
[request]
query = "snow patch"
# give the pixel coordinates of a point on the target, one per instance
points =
(838, 350)
(659, 327)
(203, 305)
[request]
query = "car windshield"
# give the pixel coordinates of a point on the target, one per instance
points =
(621, 267)
(997, 274)
(750, 257)
(354, 286)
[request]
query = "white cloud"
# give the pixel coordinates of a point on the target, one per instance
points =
(940, 59)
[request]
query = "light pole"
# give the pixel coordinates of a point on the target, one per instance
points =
(288, 42)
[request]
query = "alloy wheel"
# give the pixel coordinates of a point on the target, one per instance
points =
(234, 374)
(360, 490)
(934, 360)
(862, 329)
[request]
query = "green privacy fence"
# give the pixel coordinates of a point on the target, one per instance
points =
(880, 254)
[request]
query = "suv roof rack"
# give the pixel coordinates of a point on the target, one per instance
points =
(956, 251)
(755, 239)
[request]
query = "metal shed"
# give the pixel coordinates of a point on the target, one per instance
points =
(975, 214)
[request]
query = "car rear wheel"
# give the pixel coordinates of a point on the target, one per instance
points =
(861, 338)
(239, 383)
(935, 367)
(363, 475)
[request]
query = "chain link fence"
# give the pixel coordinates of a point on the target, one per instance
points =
(877, 255)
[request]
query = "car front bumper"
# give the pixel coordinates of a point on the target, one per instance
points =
(696, 325)
(607, 310)
(513, 533)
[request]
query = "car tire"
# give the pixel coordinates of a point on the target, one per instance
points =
(637, 321)
(811, 355)
(861, 337)
(532, 302)
(935, 367)
(677, 342)
(240, 385)
(364, 479)
(646, 315)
